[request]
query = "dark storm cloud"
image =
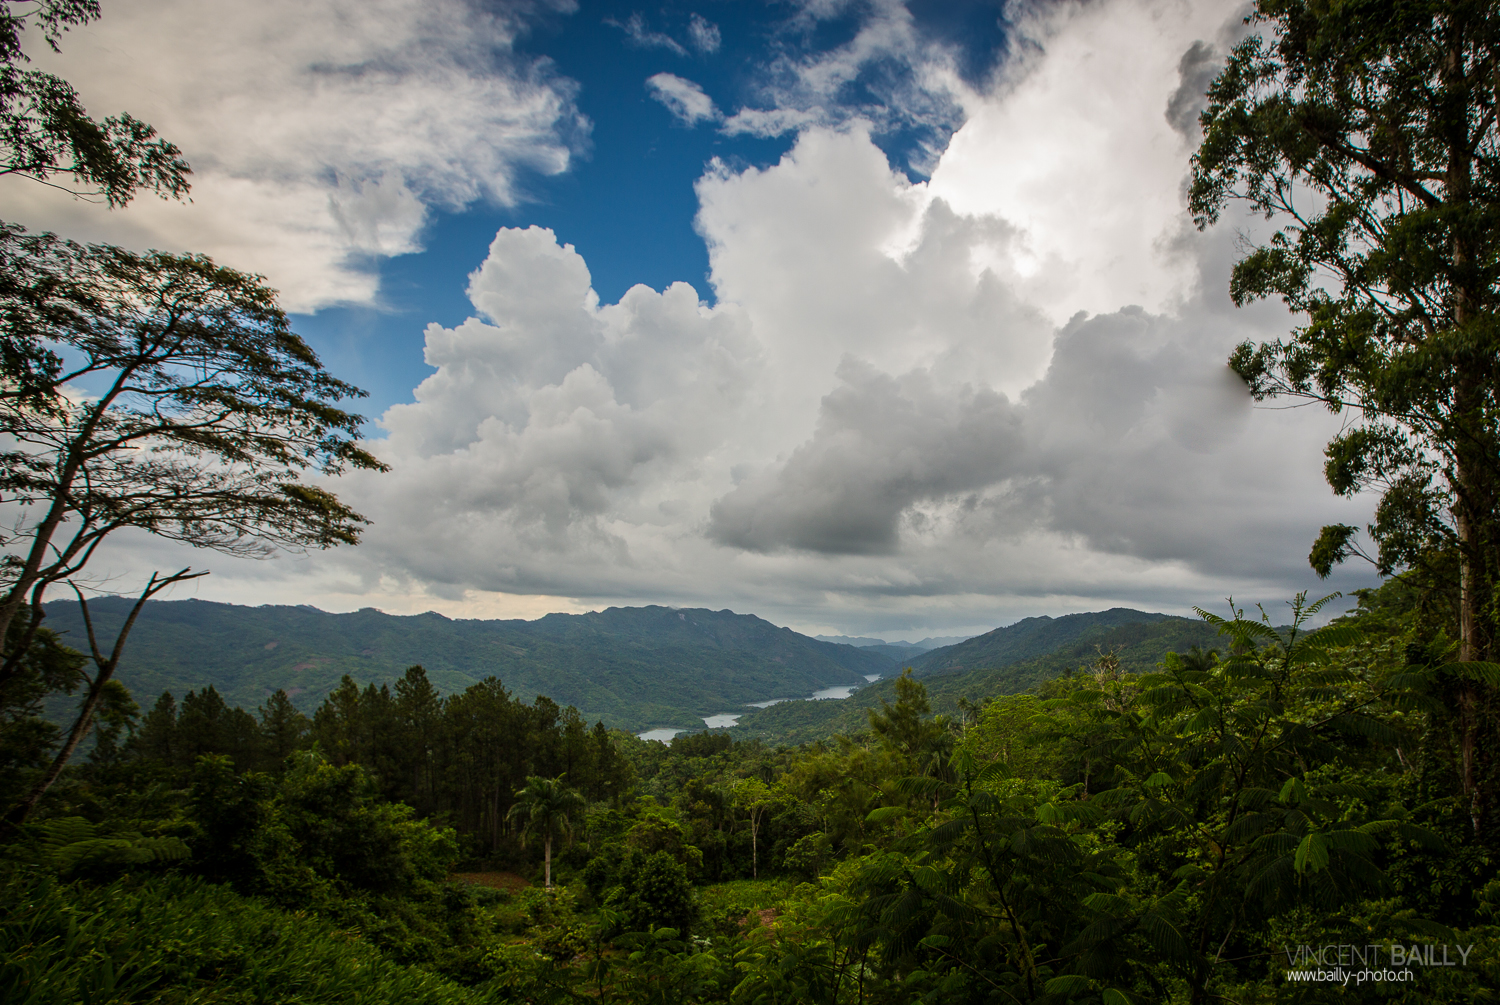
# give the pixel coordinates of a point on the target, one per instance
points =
(881, 445)
(1199, 65)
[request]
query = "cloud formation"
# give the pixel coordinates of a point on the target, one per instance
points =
(320, 131)
(683, 98)
(915, 405)
(882, 444)
(888, 76)
(703, 34)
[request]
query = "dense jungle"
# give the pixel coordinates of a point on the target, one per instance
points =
(1107, 836)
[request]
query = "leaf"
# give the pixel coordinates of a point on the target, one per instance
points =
(1488, 673)
(1293, 791)
(1312, 854)
(1107, 903)
(1113, 996)
(1068, 984)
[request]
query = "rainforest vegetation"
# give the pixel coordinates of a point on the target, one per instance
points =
(1108, 836)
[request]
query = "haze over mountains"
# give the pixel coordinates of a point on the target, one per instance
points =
(632, 668)
(865, 643)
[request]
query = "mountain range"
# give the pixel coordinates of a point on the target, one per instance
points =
(631, 668)
(1007, 660)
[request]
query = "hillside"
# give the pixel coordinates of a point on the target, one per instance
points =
(1139, 645)
(632, 668)
(1023, 640)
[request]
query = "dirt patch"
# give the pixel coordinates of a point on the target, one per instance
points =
(767, 915)
(494, 880)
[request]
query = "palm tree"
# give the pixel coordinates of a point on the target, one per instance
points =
(546, 803)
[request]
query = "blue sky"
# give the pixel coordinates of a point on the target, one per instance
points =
(873, 318)
(627, 202)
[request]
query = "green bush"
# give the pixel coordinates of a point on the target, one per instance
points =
(654, 892)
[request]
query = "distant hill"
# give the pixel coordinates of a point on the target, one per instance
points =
(1026, 638)
(865, 643)
(1140, 645)
(858, 641)
(901, 655)
(633, 668)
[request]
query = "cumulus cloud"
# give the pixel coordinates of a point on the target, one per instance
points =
(915, 405)
(554, 425)
(683, 98)
(882, 444)
(320, 131)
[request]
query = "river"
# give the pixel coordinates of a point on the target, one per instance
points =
(724, 720)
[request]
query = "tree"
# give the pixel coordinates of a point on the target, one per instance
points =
(207, 413)
(45, 131)
(1368, 130)
(754, 797)
(282, 729)
(26, 736)
(547, 805)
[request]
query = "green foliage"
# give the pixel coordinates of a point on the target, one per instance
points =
(177, 940)
(1366, 131)
(1110, 836)
(45, 668)
(653, 892)
(45, 132)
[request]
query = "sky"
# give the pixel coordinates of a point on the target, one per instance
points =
(873, 318)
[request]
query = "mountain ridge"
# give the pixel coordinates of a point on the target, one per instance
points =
(628, 667)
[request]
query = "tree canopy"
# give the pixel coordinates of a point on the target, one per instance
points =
(1367, 133)
(45, 131)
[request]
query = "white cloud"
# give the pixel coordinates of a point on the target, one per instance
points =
(320, 131)
(704, 34)
(635, 29)
(887, 76)
(925, 406)
(683, 98)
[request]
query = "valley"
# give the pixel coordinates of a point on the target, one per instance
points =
(653, 671)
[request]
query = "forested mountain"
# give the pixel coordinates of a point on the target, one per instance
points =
(1136, 645)
(1023, 640)
(628, 667)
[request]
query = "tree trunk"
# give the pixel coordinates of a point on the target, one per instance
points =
(106, 670)
(754, 847)
(21, 810)
(1474, 468)
(547, 859)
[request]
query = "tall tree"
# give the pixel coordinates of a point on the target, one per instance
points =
(209, 416)
(282, 729)
(548, 807)
(1368, 131)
